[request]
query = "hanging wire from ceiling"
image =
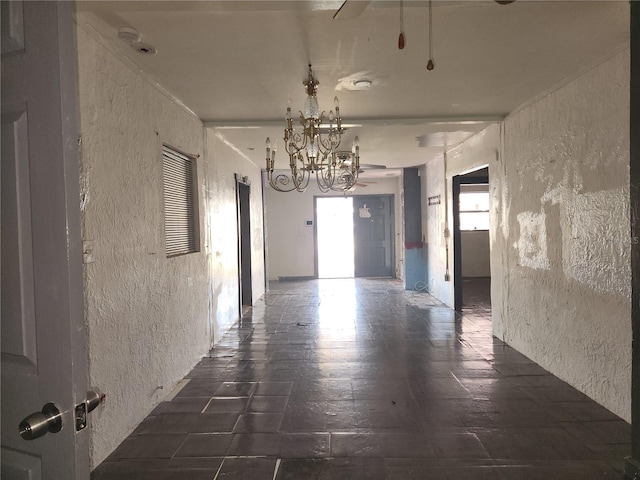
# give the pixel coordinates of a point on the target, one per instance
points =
(401, 36)
(430, 64)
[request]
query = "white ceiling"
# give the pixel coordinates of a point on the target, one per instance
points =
(236, 63)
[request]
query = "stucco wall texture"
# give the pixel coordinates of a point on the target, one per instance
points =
(560, 234)
(562, 237)
(149, 318)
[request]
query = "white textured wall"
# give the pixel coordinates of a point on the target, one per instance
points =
(479, 151)
(290, 251)
(562, 215)
(221, 219)
(475, 253)
(150, 318)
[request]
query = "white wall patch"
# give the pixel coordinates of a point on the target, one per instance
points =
(532, 244)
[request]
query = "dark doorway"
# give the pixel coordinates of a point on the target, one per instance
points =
(471, 272)
(373, 222)
(243, 190)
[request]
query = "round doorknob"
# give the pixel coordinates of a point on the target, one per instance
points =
(38, 424)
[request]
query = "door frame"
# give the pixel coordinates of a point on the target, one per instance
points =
(392, 230)
(457, 234)
(245, 287)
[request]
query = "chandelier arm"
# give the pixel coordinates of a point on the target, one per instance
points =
(324, 188)
(324, 162)
(331, 142)
(301, 180)
(279, 182)
(325, 180)
(296, 141)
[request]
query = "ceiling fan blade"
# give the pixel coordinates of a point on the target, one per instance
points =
(351, 9)
(369, 166)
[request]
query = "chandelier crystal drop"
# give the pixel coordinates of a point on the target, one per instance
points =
(314, 150)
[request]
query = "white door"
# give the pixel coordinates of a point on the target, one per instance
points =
(43, 337)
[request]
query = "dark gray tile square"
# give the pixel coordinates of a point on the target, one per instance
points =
(181, 405)
(254, 444)
(304, 445)
(226, 405)
(205, 445)
(247, 469)
(150, 446)
(267, 404)
(188, 423)
(258, 423)
(274, 388)
(235, 389)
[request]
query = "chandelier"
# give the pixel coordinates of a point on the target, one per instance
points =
(314, 150)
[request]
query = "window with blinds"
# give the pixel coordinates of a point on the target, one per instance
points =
(180, 203)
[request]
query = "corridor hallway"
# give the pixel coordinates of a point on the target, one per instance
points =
(360, 379)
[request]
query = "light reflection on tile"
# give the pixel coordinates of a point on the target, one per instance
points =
(359, 379)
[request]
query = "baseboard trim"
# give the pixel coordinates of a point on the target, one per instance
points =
(294, 279)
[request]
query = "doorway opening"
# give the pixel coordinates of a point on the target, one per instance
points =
(355, 236)
(334, 234)
(472, 271)
(243, 192)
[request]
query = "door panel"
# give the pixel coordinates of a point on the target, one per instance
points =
(18, 337)
(19, 466)
(244, 244)
(41, 316)
(373, 235)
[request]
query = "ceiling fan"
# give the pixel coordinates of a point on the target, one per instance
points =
(351, 9)
(364, 167)
(354, 8)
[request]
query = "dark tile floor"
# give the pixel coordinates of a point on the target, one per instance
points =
(360, 379)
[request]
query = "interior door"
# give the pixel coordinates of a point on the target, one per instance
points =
(373, 222)
(43, 337)
(243, 190)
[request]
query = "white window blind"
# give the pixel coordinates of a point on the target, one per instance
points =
(180, 203)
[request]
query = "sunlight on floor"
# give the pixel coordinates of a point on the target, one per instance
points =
(337, 310)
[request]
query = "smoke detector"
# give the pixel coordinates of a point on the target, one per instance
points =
(362, 84)
(128, 35)
(144, 48)
(131, 36)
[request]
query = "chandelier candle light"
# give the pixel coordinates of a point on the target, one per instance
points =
(314, 151)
